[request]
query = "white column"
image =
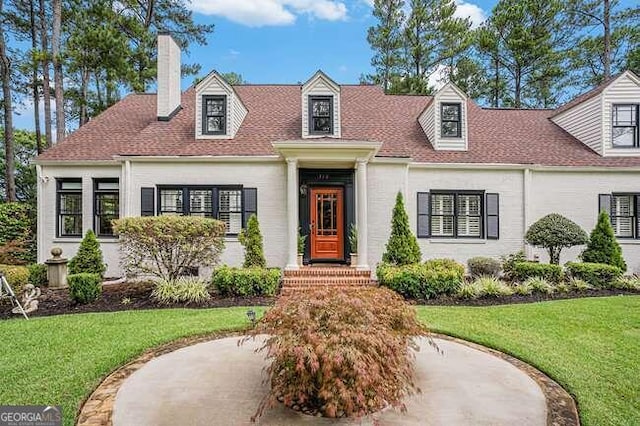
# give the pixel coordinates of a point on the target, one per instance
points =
(526, 200)
(292, 212)
(361, 221)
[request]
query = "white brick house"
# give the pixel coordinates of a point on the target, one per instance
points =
(322, 156)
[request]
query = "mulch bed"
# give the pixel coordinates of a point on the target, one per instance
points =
(135, 295)
(516, 298)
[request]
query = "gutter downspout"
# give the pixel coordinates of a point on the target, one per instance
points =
(526, 198)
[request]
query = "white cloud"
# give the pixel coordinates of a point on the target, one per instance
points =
(257, 13)
(472, 11)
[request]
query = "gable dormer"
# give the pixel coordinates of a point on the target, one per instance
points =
(219, 110)
(444, 120)
(606, 119)
(320, 107)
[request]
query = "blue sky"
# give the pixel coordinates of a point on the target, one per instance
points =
(283, 41)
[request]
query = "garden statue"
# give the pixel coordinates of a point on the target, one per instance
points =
(29, 299)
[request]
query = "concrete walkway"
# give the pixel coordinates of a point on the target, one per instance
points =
(219, 383)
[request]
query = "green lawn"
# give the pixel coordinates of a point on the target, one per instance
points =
(591, 346)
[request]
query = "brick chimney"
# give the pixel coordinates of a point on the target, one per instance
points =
(169, 92)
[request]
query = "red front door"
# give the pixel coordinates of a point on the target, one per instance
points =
(327, 236)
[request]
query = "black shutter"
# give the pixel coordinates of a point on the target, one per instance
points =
(604, 203)
(250, 204)
(637, 215)
(493, 216)
(147, 202)
(423, 215)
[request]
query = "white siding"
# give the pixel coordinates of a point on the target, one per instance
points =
(508, 184)
(236, 111)
(427, 122)
(48, 215)
(269, 179)
(624, 90)
(584, 122)
(575, 195)
(320, 86)
(430, 120)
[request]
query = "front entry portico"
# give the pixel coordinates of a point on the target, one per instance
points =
(324, 199)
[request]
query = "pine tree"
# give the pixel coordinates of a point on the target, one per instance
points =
(402, 247)
(603, 246)
(251, 240)
(386, 40)
(89, 257)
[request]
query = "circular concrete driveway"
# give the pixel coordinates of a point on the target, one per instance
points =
(219, 383)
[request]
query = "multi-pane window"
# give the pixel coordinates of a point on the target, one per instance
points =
(450, 119)
(230, 209)
(223, 203)
(69, 207)
(321, 114)
(214, 115)
(106, 202)
(625, 132)
(171, 200)
(456, 215)
(623, 215)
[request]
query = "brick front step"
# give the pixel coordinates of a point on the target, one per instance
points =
(335, 277)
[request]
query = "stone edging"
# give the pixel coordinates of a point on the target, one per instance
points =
(97, 410)
(561, 407)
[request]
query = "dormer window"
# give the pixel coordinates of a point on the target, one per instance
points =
(214, 115)
(321, 115)
(450, 120)
(625, 126)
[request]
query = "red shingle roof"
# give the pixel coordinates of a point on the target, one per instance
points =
(274, 114)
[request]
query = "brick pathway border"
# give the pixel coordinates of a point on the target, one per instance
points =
(97, 410)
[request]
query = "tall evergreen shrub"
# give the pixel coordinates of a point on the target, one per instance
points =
(603, 246)
(251, 240)
(89, 257)
(402, 247)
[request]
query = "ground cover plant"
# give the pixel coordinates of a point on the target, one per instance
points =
(339, 353)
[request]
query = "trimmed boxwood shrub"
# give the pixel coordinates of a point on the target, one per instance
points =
(422, 281)
(17, 277)
(481, 266)
(522, 271)
(598, 275)
(84, 287)
(339, 353)
(38, 274)
(230, 281)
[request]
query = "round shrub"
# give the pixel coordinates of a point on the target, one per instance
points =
(183, 290)
(598, 275)
(244, 282)
(555, 232)
(17, 276)
(481, 266)
(89, 257)
(38, 274)
(167, 246)
(445, 264)
(509, 261)
(84, 287)
(340, 353)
